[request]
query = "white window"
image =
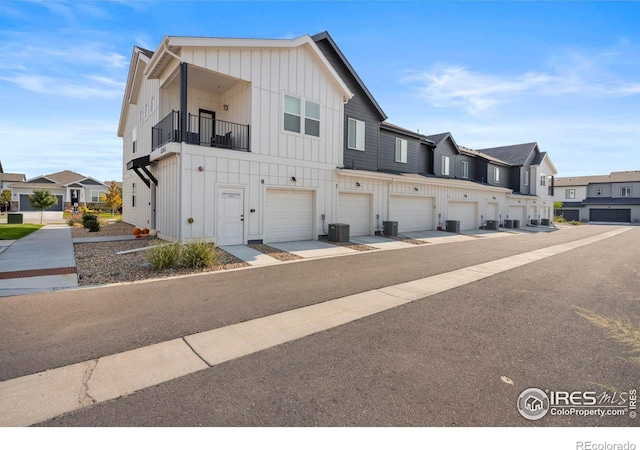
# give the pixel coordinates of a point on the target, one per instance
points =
(526, 178)
(465, 169)
(133, 195)
(496, 175)
(625, 191)
(355, 138)
(401, 150)
(96, 195)
(312, 118)
(153, 105)
(134, 136)
(146, 111)
(141, 117)
(543, 180)
(134, 147)
(294, 112)
(445, 165)
(570, 194)
(598, 191)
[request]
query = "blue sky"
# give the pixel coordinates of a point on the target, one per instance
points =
(564, 74)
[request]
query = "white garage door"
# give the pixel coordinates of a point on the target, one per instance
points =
(492, 211)
(289, 216)
(354, 209)
(517, 213)
(411, 213)
(465, 212)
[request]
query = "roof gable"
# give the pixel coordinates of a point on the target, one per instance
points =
(326, 37)
(514, 155)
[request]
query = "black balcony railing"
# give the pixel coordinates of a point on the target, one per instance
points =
(201, 131)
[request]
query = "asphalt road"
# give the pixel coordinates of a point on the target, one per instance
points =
(433, 362)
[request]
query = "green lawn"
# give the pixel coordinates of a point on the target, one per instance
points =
(17, 231)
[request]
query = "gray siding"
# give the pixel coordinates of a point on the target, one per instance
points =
(457, 169)
(387, 155)
(426, 159)
(616, 189)
(445, 148)
(606, 190)
(503, 179)
(359, 107)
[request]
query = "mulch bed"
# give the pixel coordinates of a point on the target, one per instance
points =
(407, 240)
(351, 245)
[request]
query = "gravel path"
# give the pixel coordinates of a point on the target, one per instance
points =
(351, 245)
(109, 229)
(407, 240)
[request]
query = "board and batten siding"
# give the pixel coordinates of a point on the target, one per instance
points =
(272, 73)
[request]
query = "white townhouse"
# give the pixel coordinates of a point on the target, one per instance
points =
(232, 140)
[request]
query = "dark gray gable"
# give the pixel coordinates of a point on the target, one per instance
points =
(41, 180)
(75, 185)
(387, 154)
(90, 182)
(337, 59)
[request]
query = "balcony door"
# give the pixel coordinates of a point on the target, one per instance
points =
(207, 126)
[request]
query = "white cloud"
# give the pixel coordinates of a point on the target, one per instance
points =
(570, 72)
(100, 87)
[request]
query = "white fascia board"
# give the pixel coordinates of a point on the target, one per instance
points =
(134, 76)
(177, 41)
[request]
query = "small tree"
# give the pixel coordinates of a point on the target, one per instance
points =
(42, 199)
(112, 198)
(5, 198)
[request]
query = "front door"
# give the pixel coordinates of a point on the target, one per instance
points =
(207, 126)
(230, 216)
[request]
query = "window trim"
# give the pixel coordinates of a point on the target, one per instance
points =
(526, 178)
(543, 180)
(303, 116)
(496, 175)
(624, 189)
(357, 124)
(569, 194)
(445, 165)
(404, 146)
(99, 195)
(598, 190)
(133, 195)
(465, 169)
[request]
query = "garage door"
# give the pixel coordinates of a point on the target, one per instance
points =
(411, 213)
(492, 211)
(517, 213)
(465, 212)
(354, 209)
(25, 204)
(289, 216)
(569, 214)
(610, 215)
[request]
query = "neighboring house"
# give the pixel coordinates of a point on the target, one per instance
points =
(70, 188)
(248, 140)
(7, 179)
(600, 198)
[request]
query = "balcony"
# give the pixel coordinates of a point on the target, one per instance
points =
(201, 130)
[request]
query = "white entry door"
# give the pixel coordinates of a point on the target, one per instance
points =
(230, 216)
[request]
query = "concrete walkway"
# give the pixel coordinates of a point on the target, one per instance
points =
(40, 262)
(249, 255)
(312, 249)
(381, 243)
(37, 397)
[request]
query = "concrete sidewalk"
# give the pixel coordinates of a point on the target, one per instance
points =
(40, 262)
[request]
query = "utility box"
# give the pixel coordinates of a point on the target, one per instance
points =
(14, 218)
(339, 232)
(508, 223)
(390, 228)
(492, 224)
(544, 222)
(534, 222)
(452, 226)
(516, 223)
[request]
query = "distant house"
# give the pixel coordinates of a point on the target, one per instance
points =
(70, 188)
(8, 178)
(600, 198)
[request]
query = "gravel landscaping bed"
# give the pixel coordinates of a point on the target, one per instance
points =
(276, 253)
(109, 229)
(351, 245)
(407, 240)
(99, 263)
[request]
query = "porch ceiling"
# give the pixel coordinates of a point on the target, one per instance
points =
(205, 80)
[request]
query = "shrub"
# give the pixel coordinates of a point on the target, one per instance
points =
(559, 219)
(88, 217)
(198, 255)
(73, 219)
(164, 256)
(92, 225)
